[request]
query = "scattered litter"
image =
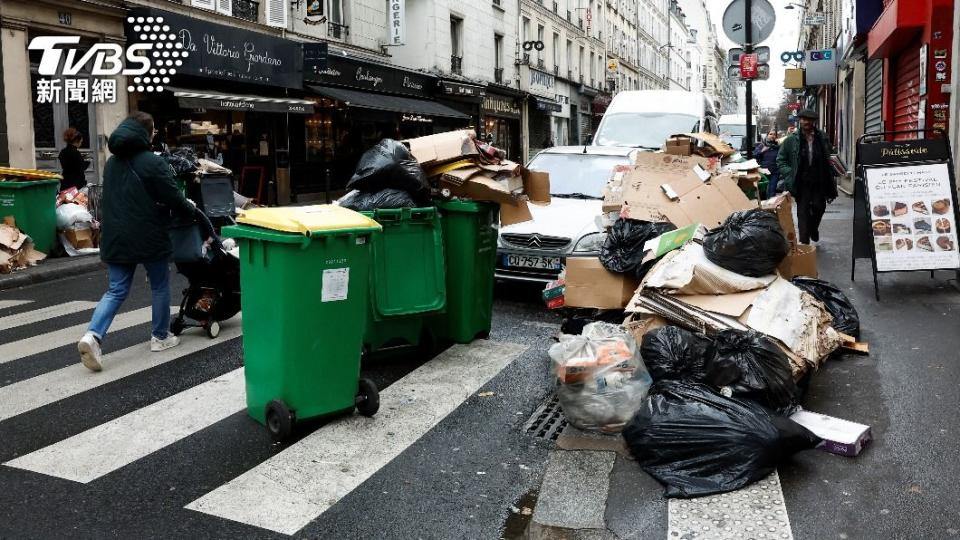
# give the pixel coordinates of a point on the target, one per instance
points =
(486, 394)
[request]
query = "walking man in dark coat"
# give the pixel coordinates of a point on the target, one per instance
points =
(804, 166)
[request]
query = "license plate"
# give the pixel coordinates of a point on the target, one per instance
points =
(528, 261)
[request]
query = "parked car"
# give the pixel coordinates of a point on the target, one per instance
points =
(733, 131)
(536, 250)
(645, 118)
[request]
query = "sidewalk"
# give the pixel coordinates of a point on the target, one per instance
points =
(51, 269)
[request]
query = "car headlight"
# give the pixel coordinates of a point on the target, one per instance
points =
(591, 242)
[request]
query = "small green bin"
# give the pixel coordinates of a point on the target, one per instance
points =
(407, 280)
(304, 276)
(33, 205)
(470, 250)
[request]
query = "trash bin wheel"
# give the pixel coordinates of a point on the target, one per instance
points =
(213, 329)
(176, 327)
(368, 398)
(280, 420)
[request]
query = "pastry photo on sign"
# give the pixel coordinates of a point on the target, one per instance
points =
(884, 243)
(941, 206)
(945, 243)
(924, 244)
(943, 225)
(904, 244)
(922, 225)
(920, 207)
(900, 228)
(881, 227)
(881, 210)
(900, 209)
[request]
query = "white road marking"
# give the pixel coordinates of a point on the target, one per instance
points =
(42, 314)
(288, 491)
(58, 338)
(4, 304)
(48, 388)
(108, 447)
(755, 510)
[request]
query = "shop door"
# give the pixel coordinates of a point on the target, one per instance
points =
(873, 108)
(50, 120)
(906, 91)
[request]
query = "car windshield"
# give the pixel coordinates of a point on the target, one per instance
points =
(643, 130)
(733, 129)
(577, 175)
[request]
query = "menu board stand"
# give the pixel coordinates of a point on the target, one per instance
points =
(905, 204)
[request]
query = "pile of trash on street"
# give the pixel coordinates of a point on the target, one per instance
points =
(455, 164)
(16, 249)
(696, 329)
(79, 232)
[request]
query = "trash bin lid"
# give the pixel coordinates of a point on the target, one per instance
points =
(27, 174)
(308, 220)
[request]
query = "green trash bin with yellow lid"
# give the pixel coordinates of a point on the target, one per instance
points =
(304, 282)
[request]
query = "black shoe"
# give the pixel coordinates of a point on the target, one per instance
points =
(815, 236)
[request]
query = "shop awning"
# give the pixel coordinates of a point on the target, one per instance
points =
(546, 105)
(199, 99)
(381, 102)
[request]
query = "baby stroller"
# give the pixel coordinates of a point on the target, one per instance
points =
(213, 293)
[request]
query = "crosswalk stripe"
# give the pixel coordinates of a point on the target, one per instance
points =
(291, 489)
(42, 314)
(58, 338)
(48, 388)
(4, 304)
(139, 433)
(756, 511)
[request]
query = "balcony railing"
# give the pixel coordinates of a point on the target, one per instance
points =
(540, 63)
(456, 65)
(526, 58)
(556, 70)
(498, 75)
(248, 10)
(337, 31)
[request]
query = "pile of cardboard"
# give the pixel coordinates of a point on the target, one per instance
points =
(698, 144)
(16, 249)
(458, 166)
(747, 174)
(79, 231)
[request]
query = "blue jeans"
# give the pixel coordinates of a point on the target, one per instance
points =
(773, 179)
(121, 277)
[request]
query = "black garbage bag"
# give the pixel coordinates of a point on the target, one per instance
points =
(362, 201)
(577, 319)
(672, 353)
(622, 252)
(750, 243)
(753, 367)
(389, 165)
(845, 316)
(697, 442)
(183, 160)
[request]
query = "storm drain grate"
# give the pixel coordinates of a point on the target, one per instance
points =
(547, 422)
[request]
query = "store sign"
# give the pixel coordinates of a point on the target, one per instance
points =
(500, 106)
(218, 51)
(821, 67)
(542, 84)
(350, 72)
(416, 118)
(396, 14)
(223, 104)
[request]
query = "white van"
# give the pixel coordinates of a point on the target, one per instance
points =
(733, 130)
(645, 118)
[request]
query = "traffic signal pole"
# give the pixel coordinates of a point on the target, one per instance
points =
(748, 49)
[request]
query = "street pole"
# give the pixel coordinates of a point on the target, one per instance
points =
(748, 49)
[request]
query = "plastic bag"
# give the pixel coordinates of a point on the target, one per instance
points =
(578, 319)
(845, 316)
(672, 353)
(697, 442)
(753, 367)
(602, 379)
(70, 214)
(622, 251)
(389, 165)
(749, 242)
(388, 198)
(183, 160)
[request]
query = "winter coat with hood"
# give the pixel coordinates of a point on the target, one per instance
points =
(139, 195)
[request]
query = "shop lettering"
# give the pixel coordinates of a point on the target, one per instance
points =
(331, 72)
(542, 79)
(217, 48)
(500, 105)
(106, 58)
(902, 151)
(297, 108)
(365, 76)
(237, 105)
(416, 118)
(410, 83)
(254, 57)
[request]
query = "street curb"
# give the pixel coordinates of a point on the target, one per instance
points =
(41, 274)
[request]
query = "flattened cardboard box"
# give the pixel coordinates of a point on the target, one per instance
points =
(442, 147)
(590, 285)
(712, 144)
(782, 206)
(840, 437)
(800, 262)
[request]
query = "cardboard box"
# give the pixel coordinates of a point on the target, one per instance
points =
(782, 205)
(840, 437)
(800, 262)
(512, 213)
(590, 285)
(79, 238)
(678, 189)
(678, 146)
(709, 145)
(442, 147)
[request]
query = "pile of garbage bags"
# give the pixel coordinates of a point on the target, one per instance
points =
(78, 230)
(623, 248)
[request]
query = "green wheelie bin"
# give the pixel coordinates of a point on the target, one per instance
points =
(407, 281)
(304, 276)
(470, 250)
(33, 205)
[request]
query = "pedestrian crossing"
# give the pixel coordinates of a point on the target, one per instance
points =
(4, 304)
(301, 482)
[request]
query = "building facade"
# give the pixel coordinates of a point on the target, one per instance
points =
(678, 60)
(712, 70)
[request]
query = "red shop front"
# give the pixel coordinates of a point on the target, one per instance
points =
(914, 40)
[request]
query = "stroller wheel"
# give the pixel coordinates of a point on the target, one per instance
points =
(176, 327)
(213, 329)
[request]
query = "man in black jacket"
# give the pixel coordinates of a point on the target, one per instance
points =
(139, 193)
(804, 166)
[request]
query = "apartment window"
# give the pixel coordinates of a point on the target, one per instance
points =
(456, 45)
(556, 51)
(580, 63)
(593, 66)
(526, 30)
(569, 57)
(540, 34)
(498, 58)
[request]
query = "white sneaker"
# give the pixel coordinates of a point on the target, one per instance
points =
(89, 349)
(157, 344)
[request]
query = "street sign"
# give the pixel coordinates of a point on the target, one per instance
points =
(733, 72)
(815, 19)
(762, 14)
(821, 67)
(748, 66)
(763, 55)
(793, 106)
(733, 56)
(763, 72)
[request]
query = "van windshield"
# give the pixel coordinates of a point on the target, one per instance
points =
(643, 130)
(733, 129)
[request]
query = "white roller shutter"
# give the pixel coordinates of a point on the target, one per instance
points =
(225, 7)
(205, 4)
(277, 13)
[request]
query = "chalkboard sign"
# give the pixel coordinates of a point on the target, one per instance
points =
(905, 216)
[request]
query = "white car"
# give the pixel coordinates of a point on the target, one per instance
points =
(536, 250)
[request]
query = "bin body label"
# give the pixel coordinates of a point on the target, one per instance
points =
(335, 284)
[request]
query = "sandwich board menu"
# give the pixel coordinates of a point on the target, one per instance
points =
(905, 205)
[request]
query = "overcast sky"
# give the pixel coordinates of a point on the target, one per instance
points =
(784, 38)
